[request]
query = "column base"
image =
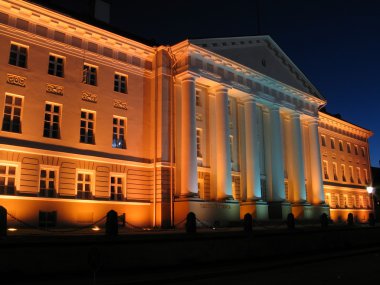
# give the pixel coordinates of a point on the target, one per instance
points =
(279, 210)
(306, 211)
(209, 213)
(258, 210)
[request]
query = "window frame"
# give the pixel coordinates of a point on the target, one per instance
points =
(118, 127)
(87, 121)
(17, 165)
(92, 183)
(19, 46)
(55, 64)
(87, 73)
(332, 143)
(199, 143)
(123, 176)
(11, 123)
(51, 122)
(56, 179)
(117, 83)
(323, 140)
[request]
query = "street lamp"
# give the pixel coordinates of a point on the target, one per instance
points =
(370, 192)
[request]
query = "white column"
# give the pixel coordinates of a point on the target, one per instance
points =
(317, 195)
(277, 157)
(252, 152)
(223, 156)
(189, 176)
(298, 169)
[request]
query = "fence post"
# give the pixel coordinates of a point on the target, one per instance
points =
(3, 222)
(290, 221)
(247, 223)
(112, 226)
(350, 219)
(324, 220)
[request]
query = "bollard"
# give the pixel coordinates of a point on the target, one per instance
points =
(324, 220)
(3, 222)
(350, 219)
(112, 226)
(247, 223)
(191, 223)
(371, 219)
(290, 221)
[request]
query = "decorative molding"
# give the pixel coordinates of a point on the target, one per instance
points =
(87, 96)
(54, 89)
(213, 75)
(198, 117)
(16, 80)
(120, 104)
(241, 86)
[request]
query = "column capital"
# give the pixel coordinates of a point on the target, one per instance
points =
(220, 88)
(248, 99)
(312, 121)
(187, 76)
(295, 115)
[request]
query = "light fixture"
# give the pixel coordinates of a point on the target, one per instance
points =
(12, 229)
(95, 228)
(369, 189)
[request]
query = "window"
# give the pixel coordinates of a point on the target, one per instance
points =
(119, 129)
(87, 127)
(117, 186)
(12, 114)
(198, 101)
(89, 74)
(48, 183)
(348, 147)
(332, 143)
(52, 120)
(325, 170)
(18, 55)
(84, 185)
(363, 151)
(231, 148)
(119, 83)
(335, 171)
(47, 219)
(359, 175)
(199, 138)
(7, 179)
(56, 64)
(340, 145)
(323, 140)
(343, 169)
(356, 150)
(351, 174)
(366, 176)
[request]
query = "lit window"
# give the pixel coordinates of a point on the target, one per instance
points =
(47, 183)
(7, 179)
(343, 168)
(323, 140)
(119, 130)
(84, 185)
(348, 147)
(335, 171)
(89, 74)
(52, 120)
(198, 101)
(12, 114)
(120, 83)
(325, 170)
(18, 55)
(87, 127)
(117, 185)
(199, 138)
(56, 64)
(332, 142)
(356, 150)
(340, 145)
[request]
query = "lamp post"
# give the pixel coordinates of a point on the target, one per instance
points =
(370, 192)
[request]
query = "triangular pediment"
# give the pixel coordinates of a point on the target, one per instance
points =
(262, 54)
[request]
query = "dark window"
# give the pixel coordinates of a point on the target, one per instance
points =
(120, 83)
(12, 114)
(52, 121)
(87, 127)
(84, 186)
(7, 179)
(116, 190)
(89, 74)
(119, 132)
(18, 55)
(47, 219)
(56, 65)
(47, 183)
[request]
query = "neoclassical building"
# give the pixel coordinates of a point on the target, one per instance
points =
(93, 121)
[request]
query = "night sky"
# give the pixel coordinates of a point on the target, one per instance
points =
(335, 43)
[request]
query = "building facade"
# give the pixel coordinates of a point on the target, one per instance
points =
(346, 168)
(93, 121)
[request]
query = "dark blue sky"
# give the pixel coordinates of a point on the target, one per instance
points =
(336, 43)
